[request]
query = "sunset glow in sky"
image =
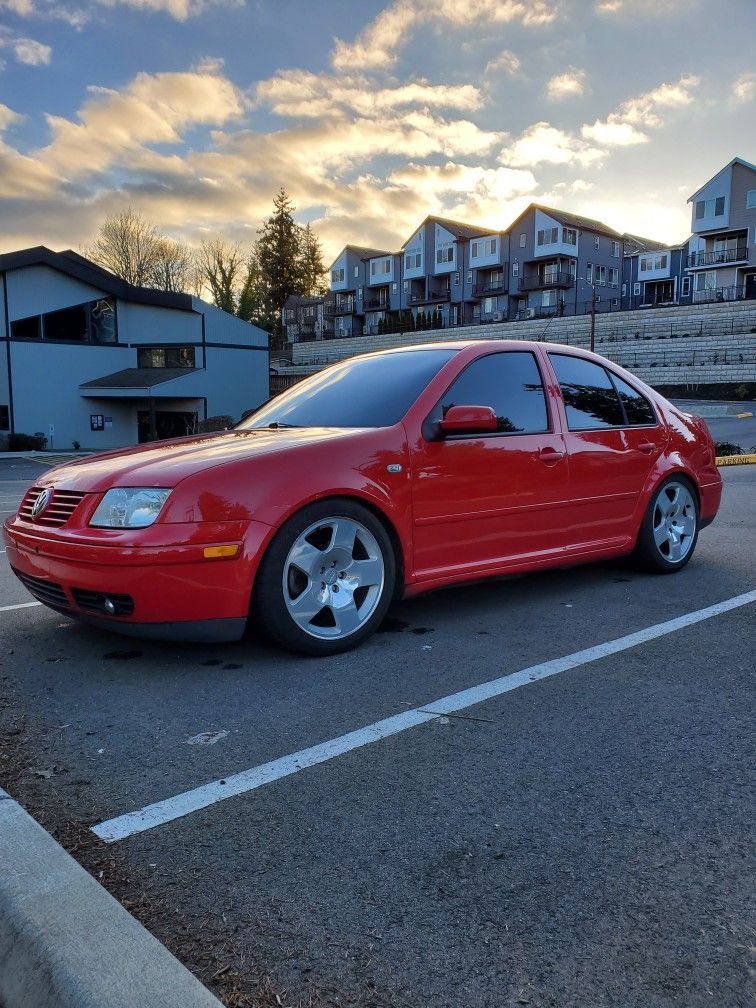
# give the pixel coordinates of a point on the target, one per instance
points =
(371, 115)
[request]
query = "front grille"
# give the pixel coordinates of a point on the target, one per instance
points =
(45, 591)
(61, 506)
(92, 601)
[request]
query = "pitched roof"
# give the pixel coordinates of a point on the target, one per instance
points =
(76, 266)
(457, 228)
(637, 243)
(568, 219)
(735, 160)
(367, 253)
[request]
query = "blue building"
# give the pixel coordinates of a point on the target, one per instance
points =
(655, 275)
(88, 358)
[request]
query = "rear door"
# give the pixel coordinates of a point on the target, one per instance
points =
(613, 439)
(481, 501)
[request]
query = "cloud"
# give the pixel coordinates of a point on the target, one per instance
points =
(302, 94)
(644, 8)
(625, 125)
(543, 142)
(744, 87)
(25, 50)
(506, 61)
(567, 84)
(181, 10)
(377, 45)
(7, 117)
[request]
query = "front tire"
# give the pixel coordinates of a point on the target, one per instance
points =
(327, 579)
(669, 531)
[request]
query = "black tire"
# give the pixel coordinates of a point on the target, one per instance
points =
(330, 572)
(669, 530)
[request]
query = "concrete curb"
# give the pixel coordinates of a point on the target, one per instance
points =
(67, 943)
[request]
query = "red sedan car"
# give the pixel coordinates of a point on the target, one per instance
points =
(382, 476)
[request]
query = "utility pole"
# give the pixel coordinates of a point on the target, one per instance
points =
(593, 316)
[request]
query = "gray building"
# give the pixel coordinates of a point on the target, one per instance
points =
(87, 358)
(722, 251)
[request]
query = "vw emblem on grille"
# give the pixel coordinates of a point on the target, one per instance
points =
(41, 502)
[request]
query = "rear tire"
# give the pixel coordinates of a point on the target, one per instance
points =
(326, 580)
(669, 531)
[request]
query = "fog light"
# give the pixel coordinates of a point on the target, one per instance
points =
(109, 606)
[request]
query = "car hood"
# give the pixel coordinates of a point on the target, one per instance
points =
(166, 463)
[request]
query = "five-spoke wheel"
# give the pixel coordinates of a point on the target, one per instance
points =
(670, 528)
(327, 579)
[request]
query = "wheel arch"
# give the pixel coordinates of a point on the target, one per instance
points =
(656, 480)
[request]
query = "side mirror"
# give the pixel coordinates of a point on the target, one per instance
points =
(468, 420)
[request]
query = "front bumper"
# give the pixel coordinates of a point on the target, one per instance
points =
(167, 591)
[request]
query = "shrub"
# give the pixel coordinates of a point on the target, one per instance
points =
(722, 448)
(27, 442)
(215, 423)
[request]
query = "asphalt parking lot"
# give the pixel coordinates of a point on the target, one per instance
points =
(585, 839)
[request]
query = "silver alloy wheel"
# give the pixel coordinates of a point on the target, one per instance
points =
(333, 578)
(674, 521)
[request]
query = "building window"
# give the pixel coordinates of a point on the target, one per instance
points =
(548, 236)
(489, 304)
(455, 279)
(601, 276)
(413, 260)
(405, 286)
(706, 281)
(710, 208)
(686, 286)
(573, 269)
(337, 276)
(751, 199)
(445, 254)
(469, 277)
(28, 328)
(515, 268)
(624, 289)
(549, 299)
(523, 240)
(653, 262)
(356, 272)
(636, 289)
(589, 272)
(616, 249)
(394, 288)
(569, 236)
(4, 418)
(613, 276)
(167, 357)
(597, 242)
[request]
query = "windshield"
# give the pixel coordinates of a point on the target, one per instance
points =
(361, 392)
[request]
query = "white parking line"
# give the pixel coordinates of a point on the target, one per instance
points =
(248, 780)
(21, 605)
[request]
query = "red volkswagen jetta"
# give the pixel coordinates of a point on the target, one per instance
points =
(380, 477)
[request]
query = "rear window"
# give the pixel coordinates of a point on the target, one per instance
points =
(639, 411)
(590, 400)
(361, 392)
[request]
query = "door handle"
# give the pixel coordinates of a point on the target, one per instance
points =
(551, 455)
(646, 447)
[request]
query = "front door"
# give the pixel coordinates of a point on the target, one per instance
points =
(484, 501)
(613, 440)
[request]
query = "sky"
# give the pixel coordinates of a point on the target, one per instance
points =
(371, 115)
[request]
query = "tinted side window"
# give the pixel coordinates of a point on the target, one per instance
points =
(590, 399)
(510, 383)
(638, 409)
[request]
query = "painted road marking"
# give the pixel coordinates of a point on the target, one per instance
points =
(726, 460)
(248, 780)
(21, 605)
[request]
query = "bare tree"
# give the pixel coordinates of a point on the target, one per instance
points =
(128, 246)
(223, 268)
(174, 268)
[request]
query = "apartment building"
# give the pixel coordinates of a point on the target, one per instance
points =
(656, 276)
(722, 251)
(560, 262)
(547, 263)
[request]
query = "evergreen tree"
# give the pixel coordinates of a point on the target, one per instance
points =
(248, 305)
(311, 264)
(279, 260)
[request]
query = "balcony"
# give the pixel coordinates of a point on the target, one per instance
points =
(545, 280)
(721, 258)
(377, 304)
(345, 307)
(733, 293)
(432, 297)
(482, 290)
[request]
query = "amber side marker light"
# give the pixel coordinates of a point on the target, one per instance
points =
(220, 552)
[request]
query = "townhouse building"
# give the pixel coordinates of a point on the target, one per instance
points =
(656, 276)
(722, 250)
(547, 263)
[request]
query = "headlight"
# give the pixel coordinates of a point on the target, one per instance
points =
(132, 507)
